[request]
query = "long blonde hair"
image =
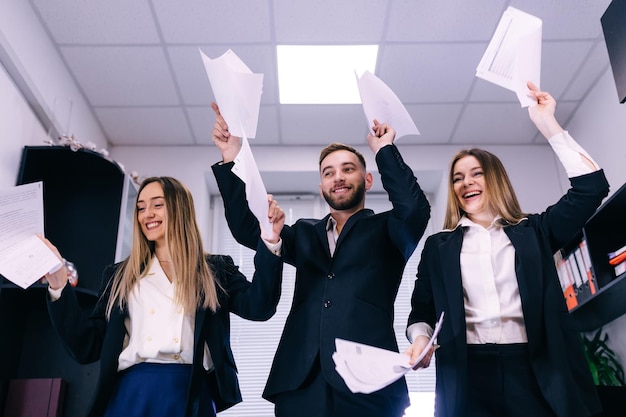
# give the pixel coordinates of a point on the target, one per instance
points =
(195, 283)
(500, 196)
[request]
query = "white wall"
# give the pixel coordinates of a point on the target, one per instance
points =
(25, 49)
(599, 126)
(19, 128)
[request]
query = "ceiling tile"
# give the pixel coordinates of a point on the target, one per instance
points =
(592, 68)
(226, 22)
(435, 122)
(122, 76)
(329, 21)
(560, 62)
(444, 21)
(145, 126)
(98, 22)
(427, 73)
(485, 91)
(579, 19)
(494, 123)
(303, 124)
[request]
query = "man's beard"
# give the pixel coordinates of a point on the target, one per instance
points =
(358, 194)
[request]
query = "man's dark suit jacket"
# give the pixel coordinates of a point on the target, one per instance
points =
(553, 340)
(95, 338)
(349, 295)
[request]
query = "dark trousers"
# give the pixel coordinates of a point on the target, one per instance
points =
(156, 390)
(316, 398)
(501, 383)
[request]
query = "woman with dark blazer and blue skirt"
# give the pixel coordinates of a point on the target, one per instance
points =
(508, 346)
(161, 328)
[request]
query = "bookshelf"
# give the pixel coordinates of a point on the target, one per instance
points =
(87, 216)
(604, 232)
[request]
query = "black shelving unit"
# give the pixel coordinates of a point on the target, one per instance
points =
(605, 232)
(84, 194)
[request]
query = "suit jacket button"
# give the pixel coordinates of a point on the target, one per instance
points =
(327, 303)
(331, 275)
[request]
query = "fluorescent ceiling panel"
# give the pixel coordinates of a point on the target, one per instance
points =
(315, 74)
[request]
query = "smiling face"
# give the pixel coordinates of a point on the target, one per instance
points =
(151, 213)
(469, 184)
(344, 181)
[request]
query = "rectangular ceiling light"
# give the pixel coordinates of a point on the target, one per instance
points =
(315, 74)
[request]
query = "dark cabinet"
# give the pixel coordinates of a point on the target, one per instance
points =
(88, 217)
(604, 232)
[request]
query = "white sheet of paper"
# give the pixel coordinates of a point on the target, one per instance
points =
(513, 56)
(24, 258)
(237, 91)
(245, 168)
(366, 369)
(381, 103)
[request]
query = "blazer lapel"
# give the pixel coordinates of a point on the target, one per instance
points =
(199, 334)
(449, 262)
(320, 229)
(528, 271)
(350, 224)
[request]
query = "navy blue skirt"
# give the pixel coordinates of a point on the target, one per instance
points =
(157, 390)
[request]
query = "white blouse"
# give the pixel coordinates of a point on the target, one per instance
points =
(157, 329)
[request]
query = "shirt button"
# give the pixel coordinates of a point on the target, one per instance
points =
(331, 275)
(179, 311)
(149, 339)
(152, 311)
(327, 303)
(175, 340)
(176, 356)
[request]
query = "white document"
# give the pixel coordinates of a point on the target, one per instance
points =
(513, 56)
(24, 258)
(366, 369)
(246, 169)
(381, 103)
(237, 91)
(238, 94)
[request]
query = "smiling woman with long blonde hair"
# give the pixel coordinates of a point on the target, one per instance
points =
(160, 328)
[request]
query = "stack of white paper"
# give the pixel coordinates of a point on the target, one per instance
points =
(238, 93)
(366, 369)
(24, 258)
(513, 56)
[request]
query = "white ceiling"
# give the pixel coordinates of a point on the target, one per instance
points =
(138, 66)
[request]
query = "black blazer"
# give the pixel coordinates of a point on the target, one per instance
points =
(350, 295)
(553, 340)
(93, 338)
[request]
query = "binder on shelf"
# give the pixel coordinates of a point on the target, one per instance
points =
(617, 256)
(593, 282)
(584, 272)
(567, 284)
(577, 277)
